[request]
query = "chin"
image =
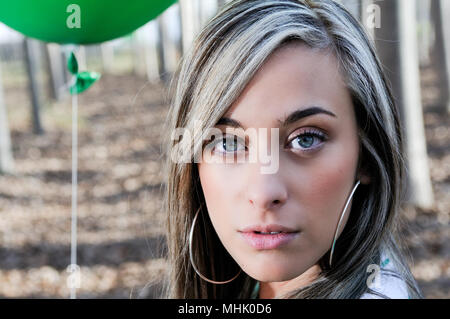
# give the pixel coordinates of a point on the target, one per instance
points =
(273, 277)
(273, 272)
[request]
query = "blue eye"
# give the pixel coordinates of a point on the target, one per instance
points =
(229, 144)
(308, 140)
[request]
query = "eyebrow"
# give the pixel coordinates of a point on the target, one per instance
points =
(291, 118)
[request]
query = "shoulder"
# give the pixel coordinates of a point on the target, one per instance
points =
(385, 282)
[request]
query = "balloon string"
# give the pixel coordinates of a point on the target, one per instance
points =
(73, 240)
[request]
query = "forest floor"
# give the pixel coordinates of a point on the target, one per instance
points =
(120, 222)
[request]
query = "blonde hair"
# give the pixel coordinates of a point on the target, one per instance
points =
(223, 59)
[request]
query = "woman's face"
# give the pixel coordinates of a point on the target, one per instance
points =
(276, 226)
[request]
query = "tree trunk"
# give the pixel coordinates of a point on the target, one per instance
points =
(107, 52)
(160, 49)
(32, 70)
(6, 157)
(397, 46)
(138, 54)
(425, 34)
(55, 69)
(445, 10)
(81, 58)
(190, 21)
(179, 41)
(151, 54)
(440, 13)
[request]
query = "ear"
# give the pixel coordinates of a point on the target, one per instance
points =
(364, 178)
(363, 170)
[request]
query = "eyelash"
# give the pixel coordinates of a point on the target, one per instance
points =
(234, 138)
(308, 132)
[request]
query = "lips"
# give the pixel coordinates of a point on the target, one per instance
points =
(268, 229)
(268, 237)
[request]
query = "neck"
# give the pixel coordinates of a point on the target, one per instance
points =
(270, 290)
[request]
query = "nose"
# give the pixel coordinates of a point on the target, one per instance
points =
(266, 191)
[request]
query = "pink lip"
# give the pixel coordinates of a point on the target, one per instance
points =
(268, 229)
(252, 235)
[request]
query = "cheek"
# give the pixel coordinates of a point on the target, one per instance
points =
(329, 185)
(212, 184)
(219, 189)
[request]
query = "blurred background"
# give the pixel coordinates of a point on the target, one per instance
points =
(120, 237)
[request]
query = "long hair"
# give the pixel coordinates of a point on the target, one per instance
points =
(221, 62)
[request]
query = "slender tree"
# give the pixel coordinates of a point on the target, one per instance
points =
(396, 42)
(107, 53)
(31, 62)
(55, 70)
(161, 47)
(6, 157)
(425, 34)
(179, 40)
(138, 53)
(190, 21)
(440, 14)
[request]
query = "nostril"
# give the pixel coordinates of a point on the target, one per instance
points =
(276, 201)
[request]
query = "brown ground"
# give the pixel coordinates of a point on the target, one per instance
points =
(120, 232)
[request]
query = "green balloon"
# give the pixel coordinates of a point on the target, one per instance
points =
(79, 21)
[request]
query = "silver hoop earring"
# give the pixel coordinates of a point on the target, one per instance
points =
(191, 235)
(340, 220)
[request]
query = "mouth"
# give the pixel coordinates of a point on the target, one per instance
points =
(268, 237)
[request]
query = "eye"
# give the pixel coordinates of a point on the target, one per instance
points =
(229, 144)
(308, 140)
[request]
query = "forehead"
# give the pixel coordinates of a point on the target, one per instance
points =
(293, 77)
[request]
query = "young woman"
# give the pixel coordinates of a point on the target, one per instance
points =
(321, 222)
